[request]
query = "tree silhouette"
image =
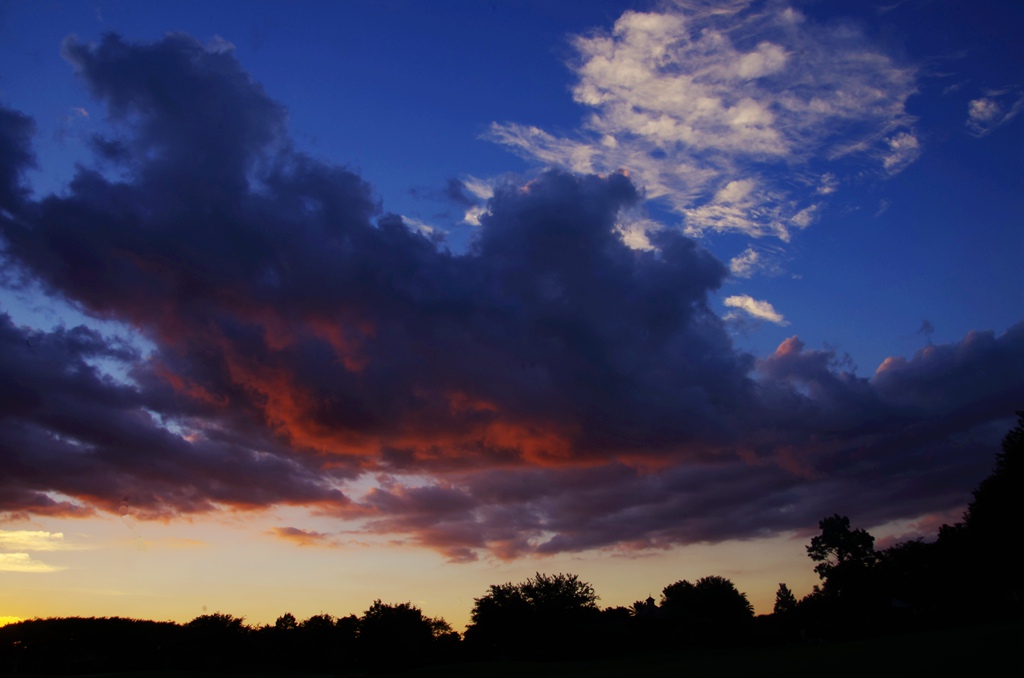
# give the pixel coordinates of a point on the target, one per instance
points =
(286, 622)
(63, 646)
(215, 639)
(984, 545)
(542, 616)
(398, 636)
(542, 595)
(217, 624)
(278, 644)
(843, 555)
(318, 642)
(997, 510)
(910, 576)
(710, 610)
(710, 598)
(785, 601)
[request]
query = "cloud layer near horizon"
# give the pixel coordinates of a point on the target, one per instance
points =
(551, 389)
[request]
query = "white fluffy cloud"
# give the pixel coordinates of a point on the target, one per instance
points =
(904, 148)
(993, 110)
(482, 190)
(22, 562)
(749, 262)
(745, 264)
(34, 540)
(705, 103)
(761, 310)
(418, 225)
(758, 259)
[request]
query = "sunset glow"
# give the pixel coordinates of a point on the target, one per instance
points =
(304, 306)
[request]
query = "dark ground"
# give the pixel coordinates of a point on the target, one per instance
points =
(985, 650)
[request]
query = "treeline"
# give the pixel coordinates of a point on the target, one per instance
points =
(385, 638)
(967, 575)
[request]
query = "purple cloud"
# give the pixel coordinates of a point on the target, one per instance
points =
(551, 388)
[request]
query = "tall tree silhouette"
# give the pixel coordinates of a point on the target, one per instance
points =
(785, 601)
(843, 555)
(997, 511)
(986, 544)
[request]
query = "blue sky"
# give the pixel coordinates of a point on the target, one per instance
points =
(407, 94)
(607, 251)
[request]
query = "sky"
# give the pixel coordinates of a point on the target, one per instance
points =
(305, 305)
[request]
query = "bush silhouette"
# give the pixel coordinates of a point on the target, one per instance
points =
(544, 616)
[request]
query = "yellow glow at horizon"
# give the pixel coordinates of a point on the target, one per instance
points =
(232, 564)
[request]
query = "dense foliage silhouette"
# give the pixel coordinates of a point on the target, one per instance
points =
(400, 636)
(785, 601)
(711, 610)
(545, 616)
(986, 543)
(843, 555)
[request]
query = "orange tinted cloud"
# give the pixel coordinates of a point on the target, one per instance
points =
(551, 388)
(302, 537)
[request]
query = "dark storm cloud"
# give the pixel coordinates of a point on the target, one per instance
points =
(556, 389)
(909, 442)
(265, 280)
(198, 110)
(67, 430)
(15, 156)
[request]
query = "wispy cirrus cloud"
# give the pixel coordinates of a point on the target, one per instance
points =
(755, 260)
(707, 103)
(745, 264)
